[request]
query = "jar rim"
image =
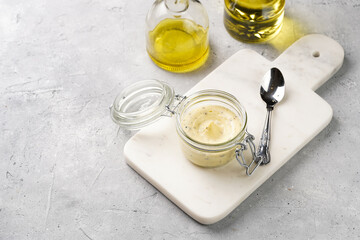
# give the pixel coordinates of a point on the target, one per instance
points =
(211, 94)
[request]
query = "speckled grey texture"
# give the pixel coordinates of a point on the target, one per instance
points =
(62, 172)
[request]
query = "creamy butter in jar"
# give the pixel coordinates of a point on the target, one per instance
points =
(211, 124)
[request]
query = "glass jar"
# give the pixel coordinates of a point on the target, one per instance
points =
(146, 101)
(177, 34)
(205, 154)
(253, 20)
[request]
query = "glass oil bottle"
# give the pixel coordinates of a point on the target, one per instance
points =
(177, 35)
(253, 20)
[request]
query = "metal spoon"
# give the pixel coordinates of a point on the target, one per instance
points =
(272, 91)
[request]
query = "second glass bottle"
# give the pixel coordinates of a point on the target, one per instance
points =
(253, 20)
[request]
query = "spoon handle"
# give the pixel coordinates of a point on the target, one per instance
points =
(263, 153)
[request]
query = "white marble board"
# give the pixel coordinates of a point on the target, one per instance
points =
(209, 195)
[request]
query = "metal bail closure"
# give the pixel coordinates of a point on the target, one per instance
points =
(239, 153)
(142, 103)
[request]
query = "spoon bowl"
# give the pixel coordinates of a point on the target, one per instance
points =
(272, 89)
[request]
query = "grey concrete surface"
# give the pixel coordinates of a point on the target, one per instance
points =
(62, 171)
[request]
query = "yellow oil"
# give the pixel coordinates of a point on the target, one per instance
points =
(253, 20)
(178, 45)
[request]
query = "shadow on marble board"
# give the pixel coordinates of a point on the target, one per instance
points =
(292, 30)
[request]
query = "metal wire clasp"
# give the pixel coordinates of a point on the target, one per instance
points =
(239, 153)
(171, 109)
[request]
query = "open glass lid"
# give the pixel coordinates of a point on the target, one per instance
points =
(141, 104)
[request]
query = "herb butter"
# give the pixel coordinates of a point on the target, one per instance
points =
(212, 124)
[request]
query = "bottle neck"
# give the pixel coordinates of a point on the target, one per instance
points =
(177, 5)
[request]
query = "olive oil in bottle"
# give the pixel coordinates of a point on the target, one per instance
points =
(177, 35)
(178, 45)
(253, 20)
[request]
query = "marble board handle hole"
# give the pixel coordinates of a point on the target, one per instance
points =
(316, 54)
